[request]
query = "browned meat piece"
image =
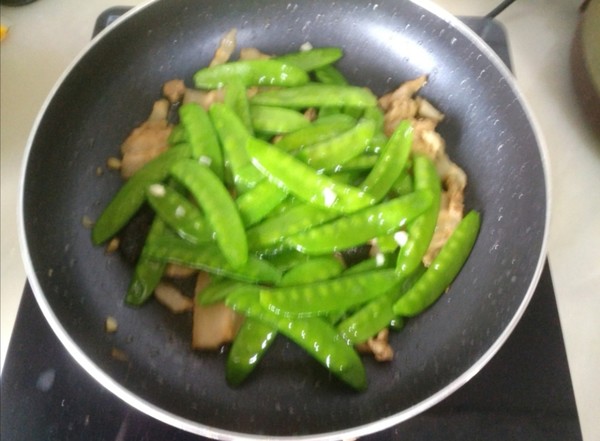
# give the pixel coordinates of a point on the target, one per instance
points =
(225, 48)
(214, 326)
(147, 141)
(251, 53)
(205, 99)
(172, 298)
(378, 346)
(173, 90)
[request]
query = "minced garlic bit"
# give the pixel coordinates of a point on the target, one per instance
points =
(205, 160)
(306, 46)
(118, 354)
(87, 222)
(157, 190)
(111, 325)
(113, 163)
(113, 245)
(401, 237)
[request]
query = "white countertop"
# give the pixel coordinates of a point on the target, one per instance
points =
(46, 36)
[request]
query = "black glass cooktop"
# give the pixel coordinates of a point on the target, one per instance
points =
(524, 393)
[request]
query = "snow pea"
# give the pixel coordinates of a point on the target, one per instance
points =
(132, 194)
(319, 130)
(258, 202)
(179, 213)
(390, 163)
(317, 95)
(312, 270)
(217, 290)
(302, 180)
(333, 295)
(420, 231)
(375, 315)
(219, 208)
(312, 59)
(201, 135)
(334, 152)
(233, 136)
(147, 272)
(379, 261)
(286, 260)
(330, 75)
(236, 98)
(254, 336)
(208, 257)
(403, 185)
(358, 228)
(443, 269)
(249, 346)
(364, 162)
(314, 335)
(273, 120)
(177, 135)
(272, 231)
(268, 72)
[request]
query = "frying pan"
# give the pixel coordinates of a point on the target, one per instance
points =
(109, 90)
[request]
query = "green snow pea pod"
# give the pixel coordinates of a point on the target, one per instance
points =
(358, 228)
(391, 162)
(302, 180)
(334, 152)
(237, 99)
(362, 162)
(208, 257)
(132, 194)
(368, 320)
(274, 120)
(375, 315)
(379, 261)
(217, 290)
(314, 335)
(273, 230)
(233, 135)
(201, 135)
(323, 297)
(389, 243)
(147, 272)
(317, 131)
(376, 115)
(312, 59)
(287, 259)
(249, 346)
(317, 95)
(177, 135)
(420, 231)
(403, 185)
(219, 208)
(330, 75)
(259, 201)
(179, 213)
(255, 337)
(443, 269)
(313, 270)
(251, 73)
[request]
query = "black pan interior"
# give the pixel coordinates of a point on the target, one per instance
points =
(110, 90)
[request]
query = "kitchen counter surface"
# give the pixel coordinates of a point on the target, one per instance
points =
(46, 36)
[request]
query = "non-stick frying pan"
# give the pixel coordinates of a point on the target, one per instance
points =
(109, 90)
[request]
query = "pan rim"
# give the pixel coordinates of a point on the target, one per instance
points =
(197, 428)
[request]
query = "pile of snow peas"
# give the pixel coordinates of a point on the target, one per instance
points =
(267, 200)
